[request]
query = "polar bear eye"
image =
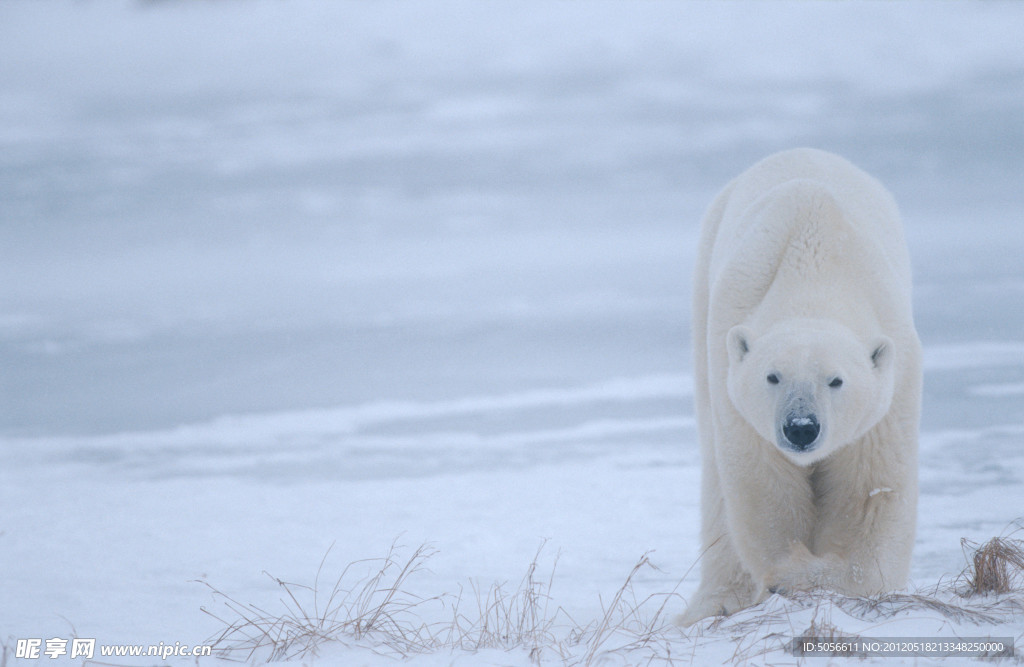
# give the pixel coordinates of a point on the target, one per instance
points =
(836, 383)
(772, 378)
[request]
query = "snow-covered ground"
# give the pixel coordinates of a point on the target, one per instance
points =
(282, 276)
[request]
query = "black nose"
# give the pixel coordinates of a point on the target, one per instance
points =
(801, 430)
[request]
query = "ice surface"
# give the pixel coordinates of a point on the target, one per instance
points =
(279, 276)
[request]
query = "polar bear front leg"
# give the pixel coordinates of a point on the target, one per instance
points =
(769, 506)
(867, 512)
(725, 585)
(863, 523)
(864, 556)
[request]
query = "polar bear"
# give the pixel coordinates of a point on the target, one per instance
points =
(808, 386)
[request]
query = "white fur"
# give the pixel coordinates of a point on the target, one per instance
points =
(803, 275)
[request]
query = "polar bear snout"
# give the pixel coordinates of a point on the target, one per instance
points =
(798, 428)
(801, 431)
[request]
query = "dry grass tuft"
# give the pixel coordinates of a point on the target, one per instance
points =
(378, 612)
(821, 631)
(376, 606)
(625, 620)
(994, 567)
(504, 619)
(942, 601)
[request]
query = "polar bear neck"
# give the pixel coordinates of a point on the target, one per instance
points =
(816, 278)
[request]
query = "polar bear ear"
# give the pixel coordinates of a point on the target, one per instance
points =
(738, 342)
(882, 353)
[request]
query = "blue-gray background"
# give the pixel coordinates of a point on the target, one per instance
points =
(228, 207)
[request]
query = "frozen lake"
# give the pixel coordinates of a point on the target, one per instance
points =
(277, 276)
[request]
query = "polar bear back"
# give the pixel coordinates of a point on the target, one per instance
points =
(795, 200)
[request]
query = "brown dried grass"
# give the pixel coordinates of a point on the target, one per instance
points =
(821, 631)
(376, 605)
(995, 567)
(379, 613)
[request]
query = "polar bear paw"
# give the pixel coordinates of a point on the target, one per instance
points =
(723, 602)
(800, 570)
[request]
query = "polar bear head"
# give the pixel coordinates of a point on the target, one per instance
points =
(809, 386)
